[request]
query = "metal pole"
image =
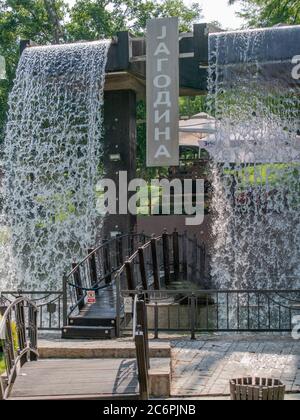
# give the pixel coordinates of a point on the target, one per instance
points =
(156, 320)
(193, 316)
(65, 302)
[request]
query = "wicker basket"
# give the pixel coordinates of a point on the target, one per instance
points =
(256, 389)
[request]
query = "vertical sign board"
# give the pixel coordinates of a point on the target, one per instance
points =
(91, 297)
(162, 92)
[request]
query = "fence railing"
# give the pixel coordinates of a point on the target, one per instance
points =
(156, 265)
(135, 261)
(18, 337)
(96, 271)
(50, 306)
(217, 311)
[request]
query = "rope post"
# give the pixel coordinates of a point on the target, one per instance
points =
(143, 268)
(156, 320)
(141, 363)
(156, 280)
(141, 311)
(93, 269)
(184, 255)
(193, 316)
(129, 275)
(176, 259)
(166, 256)
(65, 301)
(106, 262)
(78, 284)
(118, 306)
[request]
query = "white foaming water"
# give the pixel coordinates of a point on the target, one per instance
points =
(256, 152)
(51, 163)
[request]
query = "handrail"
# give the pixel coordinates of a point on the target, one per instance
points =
(141, 265)
(20, 345)
(91, 273)
(108, 242)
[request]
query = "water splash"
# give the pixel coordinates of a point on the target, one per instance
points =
(256, 167)
(52, 151)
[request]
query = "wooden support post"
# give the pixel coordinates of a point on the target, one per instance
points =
(142, 365)
(33, 333)
(166, 257)
(184, 255)
(156, 279)
(193, 301)
(176, 259)
(93, 268)
(194, 255)
(119, 251)
(143, 268)
(141, 312)
(129, 275)
(106, 262)
(78, 284)
(202, 261)
(65, 301)
(119, 149)
(21, 330)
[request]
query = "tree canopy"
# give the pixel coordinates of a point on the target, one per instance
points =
(264, 13)
(53, 21)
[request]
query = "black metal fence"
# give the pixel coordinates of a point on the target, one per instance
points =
(50, 306)
(205, 311)
(96, 272)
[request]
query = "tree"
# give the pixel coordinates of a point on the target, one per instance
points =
(94, 19)
(51, 21)
(264, 13)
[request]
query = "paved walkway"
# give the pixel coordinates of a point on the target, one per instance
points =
(204, 367)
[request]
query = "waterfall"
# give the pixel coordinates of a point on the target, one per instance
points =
(256, 160)
(51, 163)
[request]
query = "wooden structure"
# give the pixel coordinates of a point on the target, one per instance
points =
(69, 379)
(256, 389)
(125, 84)
(154, 264)
(18, 337)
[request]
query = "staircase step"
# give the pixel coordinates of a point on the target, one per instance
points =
(75, 332)
(94, 349)
(91, 322)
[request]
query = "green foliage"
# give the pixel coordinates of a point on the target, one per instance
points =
(15, 338)
(2, 364)
(51, 21)
(264, 13)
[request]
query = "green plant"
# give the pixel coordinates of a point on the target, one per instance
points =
(2, 364)
(15, 338)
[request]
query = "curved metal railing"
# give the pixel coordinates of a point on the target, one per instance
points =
(133, 261)
(96, 271)
(18, 336)
(155, 266)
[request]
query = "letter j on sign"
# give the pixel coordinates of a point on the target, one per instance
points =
(162, 92)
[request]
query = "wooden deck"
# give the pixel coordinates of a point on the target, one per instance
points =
(65, 379)
(104, 308)
(95, 321)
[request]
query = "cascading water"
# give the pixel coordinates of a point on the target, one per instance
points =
(52, 153)
(256, 155)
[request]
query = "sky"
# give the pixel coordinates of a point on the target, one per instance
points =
(216, 10)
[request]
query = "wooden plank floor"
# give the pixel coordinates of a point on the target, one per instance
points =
(104, 308)
(78, 378)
